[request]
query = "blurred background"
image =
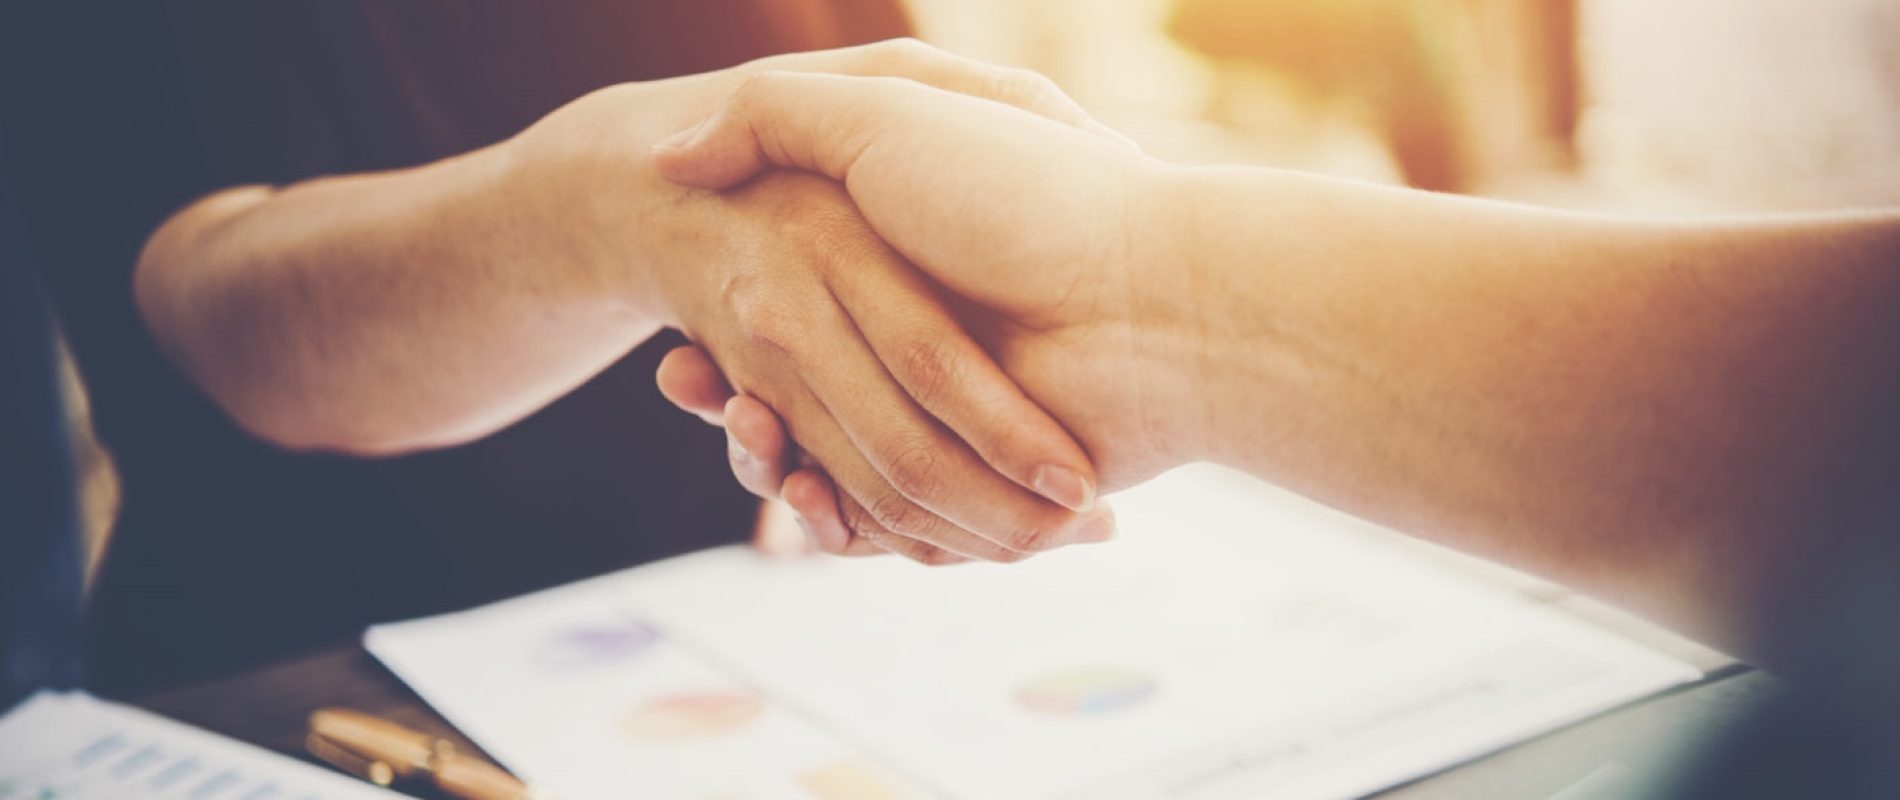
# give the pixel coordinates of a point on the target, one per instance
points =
(1686, 106)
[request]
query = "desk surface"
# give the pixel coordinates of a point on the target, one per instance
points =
(268, 707)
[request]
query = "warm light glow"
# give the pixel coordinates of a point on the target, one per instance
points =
(1702, 105)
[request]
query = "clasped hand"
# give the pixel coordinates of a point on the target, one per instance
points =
(860, 315)
(997, 229)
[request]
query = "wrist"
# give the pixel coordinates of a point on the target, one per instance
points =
(1226, 297)
(1148, 331)
(575, 223)
(1173, 336)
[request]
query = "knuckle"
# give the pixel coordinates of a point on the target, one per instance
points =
(866, 536)
(925, 367)
(913, 472)
(763, 317)
(1025, 539)
(858, 520)
(1036, 527)
(896, 514)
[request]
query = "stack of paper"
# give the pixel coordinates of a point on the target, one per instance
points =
(1235, 643)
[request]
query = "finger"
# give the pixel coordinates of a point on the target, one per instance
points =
(877, 445)
(810, 494)
(871, 536)
(861, 548)
(776, 533)
(688, 378)
(859, 485)
(954, 380)
(932, 66)
(930, 470)
(813, 499)
(756, 445)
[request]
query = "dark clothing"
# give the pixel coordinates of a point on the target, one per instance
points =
(228, 551)
(40, 570)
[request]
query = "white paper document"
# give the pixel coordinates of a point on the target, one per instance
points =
(69, 746)
(1235, 642)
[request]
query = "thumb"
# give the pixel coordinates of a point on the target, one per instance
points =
(815, 122)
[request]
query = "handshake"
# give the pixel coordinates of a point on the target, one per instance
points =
(968, 339)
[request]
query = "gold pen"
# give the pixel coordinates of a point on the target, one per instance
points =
(383, 752)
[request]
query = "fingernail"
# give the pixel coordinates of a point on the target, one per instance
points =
(737, 451)
(680, 139)
(1065, 486)
(1097, 527)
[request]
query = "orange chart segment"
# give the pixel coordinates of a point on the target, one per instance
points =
(691, 716)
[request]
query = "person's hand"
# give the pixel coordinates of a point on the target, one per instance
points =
(936, 454)
(1042, 228)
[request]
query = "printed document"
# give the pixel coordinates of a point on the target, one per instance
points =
(69, 746)
(1234, 642)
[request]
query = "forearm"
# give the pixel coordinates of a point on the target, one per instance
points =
(381, 312)
(1644, 410)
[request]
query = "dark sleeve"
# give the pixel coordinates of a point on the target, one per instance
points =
(40, 572)
(102, 111)
(99, 152)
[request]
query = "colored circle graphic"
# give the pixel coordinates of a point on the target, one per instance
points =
(1085, 691)
(691, 715)
(848, 781)
(594, 645)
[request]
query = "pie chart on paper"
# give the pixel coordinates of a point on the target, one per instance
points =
(1085, 691)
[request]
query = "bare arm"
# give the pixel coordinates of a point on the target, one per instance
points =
(1659, 412)
(385, 312)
